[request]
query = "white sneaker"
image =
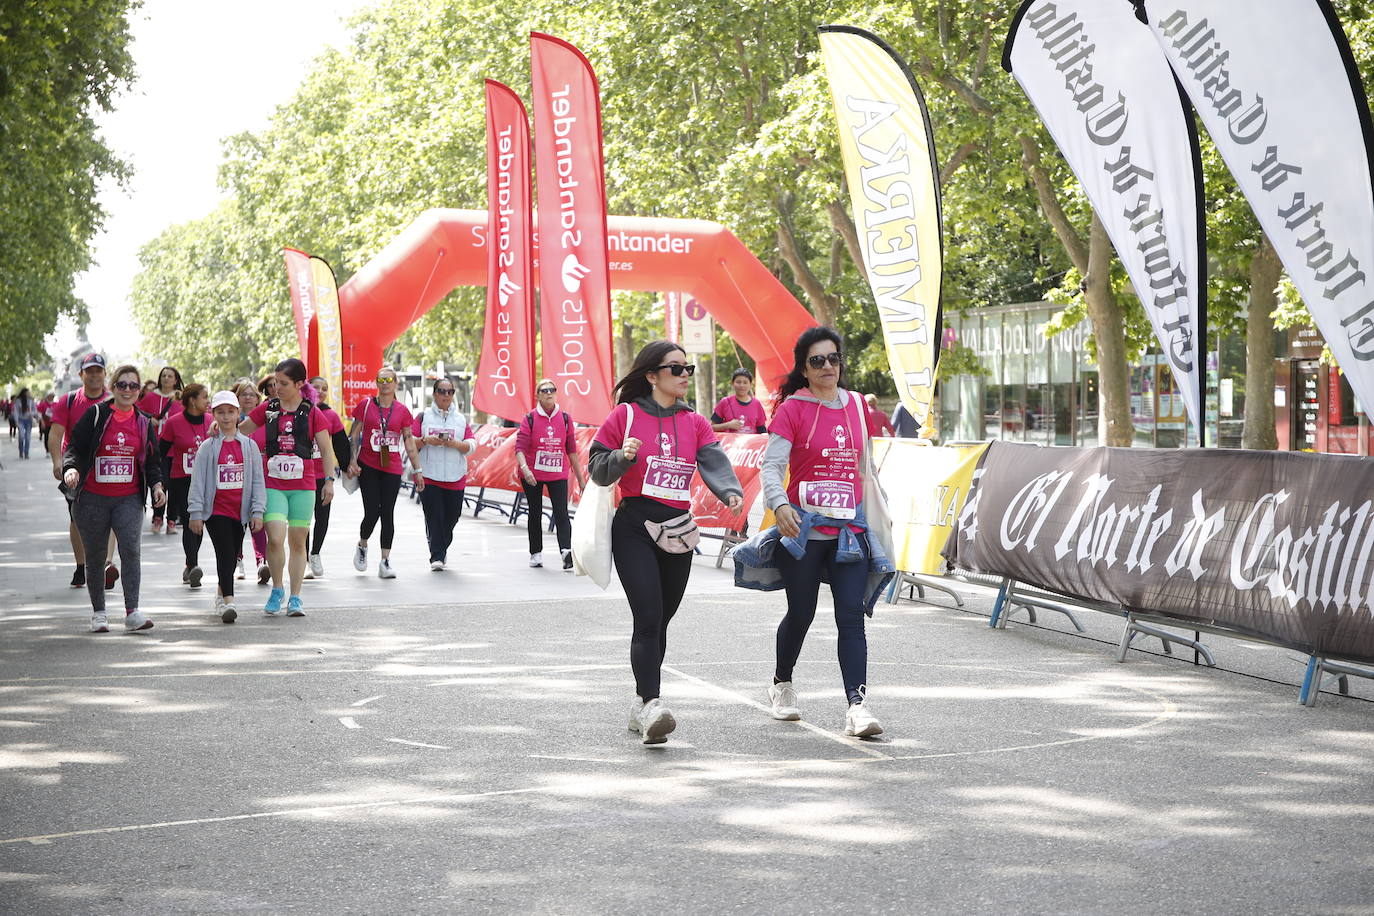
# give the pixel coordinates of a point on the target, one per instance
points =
(137, 620)
(228, 613)
(652, 721)
(316, 567)
(536, 560)
(100, 623)
(860, 723)
(784, 700)
(239, 573)
(384, 570)
(219, 603)
(360, 558)
(436, 565)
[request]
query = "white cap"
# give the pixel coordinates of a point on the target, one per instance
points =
(224, 397)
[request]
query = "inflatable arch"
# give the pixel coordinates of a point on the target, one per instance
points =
(444, 249)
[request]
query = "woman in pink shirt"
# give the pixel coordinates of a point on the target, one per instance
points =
(163, 401)
(740, 412)
(651, 446)
(545, 450)
(381, 428)
(181, 435)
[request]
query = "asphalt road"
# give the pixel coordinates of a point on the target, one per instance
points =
(456, 742)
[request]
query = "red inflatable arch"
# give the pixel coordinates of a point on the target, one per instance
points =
(445, 249)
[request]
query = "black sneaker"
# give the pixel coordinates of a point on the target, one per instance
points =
(193, 577)
(79, 577)
(567, 559)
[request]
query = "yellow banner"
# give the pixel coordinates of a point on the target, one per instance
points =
(889, 161)
(330, 329)
(926, 488)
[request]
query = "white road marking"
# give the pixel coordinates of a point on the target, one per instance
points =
(851, 743)
(368, 700)
(348, 722)
(577, 759)
(433, 747)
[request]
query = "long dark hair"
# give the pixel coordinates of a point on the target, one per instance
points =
(23, 399)
(796, 379)
(172, 369)
(634, 385)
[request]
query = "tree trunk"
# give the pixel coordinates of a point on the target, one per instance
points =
(1114, 404)
(624, 349)
(1265, 270)
(823, 304)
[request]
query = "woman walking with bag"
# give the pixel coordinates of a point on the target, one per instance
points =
(445, 439)
(381, 426)
(651, 444)
(228, 493)
(109, 463)
(545, 448)
(832, 522)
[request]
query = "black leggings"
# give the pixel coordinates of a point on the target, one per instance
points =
(379, 491)
(558, 503)
(179, 510)
(802, 579)
(321, 517)
(654, 583)
(442, 510)
(226, 534)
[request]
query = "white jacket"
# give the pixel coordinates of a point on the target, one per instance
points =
(441, 462)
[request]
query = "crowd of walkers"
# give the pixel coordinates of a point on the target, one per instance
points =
(260, 460)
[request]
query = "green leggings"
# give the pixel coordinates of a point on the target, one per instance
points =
(295, 507)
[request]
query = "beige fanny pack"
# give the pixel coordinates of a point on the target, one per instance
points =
(677, 535)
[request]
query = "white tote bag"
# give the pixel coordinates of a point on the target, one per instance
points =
(591, 527)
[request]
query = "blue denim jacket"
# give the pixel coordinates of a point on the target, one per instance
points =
(756, 568)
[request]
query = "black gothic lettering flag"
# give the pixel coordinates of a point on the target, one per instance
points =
(1278, 89)
(1113, 107)
(1278, 545)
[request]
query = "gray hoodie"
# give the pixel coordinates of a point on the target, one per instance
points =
(205, 480)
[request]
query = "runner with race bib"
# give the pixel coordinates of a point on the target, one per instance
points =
(343, 455)
(228, 493)
(445, 439)
(653, 457)
(108, 465)
(381, 428)
(819, 438)
(181, 435)
(293, 427)
(160, 403)
(545, 451)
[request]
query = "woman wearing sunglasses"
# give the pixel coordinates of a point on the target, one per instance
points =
(545, 448)
(652, 444)
(381, 427)
(445, 438)
(110, 463)
(820, 439)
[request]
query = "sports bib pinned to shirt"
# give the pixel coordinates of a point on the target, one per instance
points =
(668, 478)
(114, 469)
(231, 476)
(286, 467)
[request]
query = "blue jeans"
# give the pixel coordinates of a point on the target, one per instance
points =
(802, 580)
(25, 435)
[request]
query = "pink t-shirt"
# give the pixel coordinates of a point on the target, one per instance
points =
(398, 417)
(260, 437)
(186, 435)
(229, 480)
(332, 425)
(824, 473)
(154, 403)
(66, 417)
(729, 408)
(286, 470)
(545, 442)
(114, 470)
(667, 459)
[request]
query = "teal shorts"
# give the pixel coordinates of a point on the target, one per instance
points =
(295, 507)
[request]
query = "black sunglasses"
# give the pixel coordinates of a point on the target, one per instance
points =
(445, 390)
(128, 386)
(548, 390)
(678, 369)
(819, 360)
